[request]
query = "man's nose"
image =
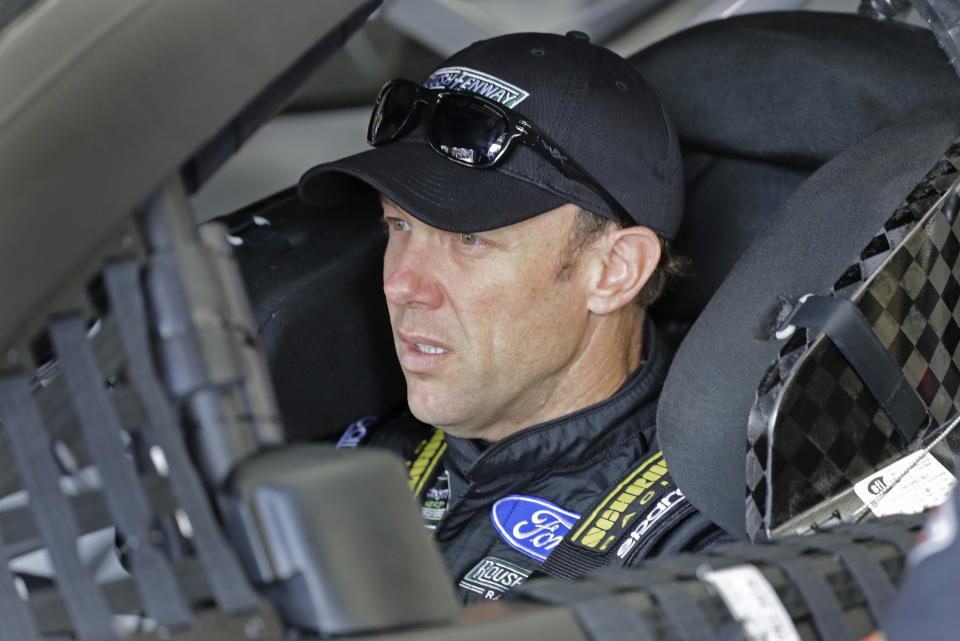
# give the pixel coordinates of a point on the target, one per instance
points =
(408, 277)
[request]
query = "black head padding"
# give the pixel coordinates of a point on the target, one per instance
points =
(314, 277)
(822, 228)
(761, 101)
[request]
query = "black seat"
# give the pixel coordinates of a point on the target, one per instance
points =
(314, 278)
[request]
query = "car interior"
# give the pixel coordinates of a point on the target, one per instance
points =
(803, 135)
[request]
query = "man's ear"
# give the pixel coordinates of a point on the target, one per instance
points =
(624, 261)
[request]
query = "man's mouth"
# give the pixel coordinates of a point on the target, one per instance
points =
(426, 348)
(421, 354)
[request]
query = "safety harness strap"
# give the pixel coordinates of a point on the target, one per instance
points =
(624, 526)
(32, 452)
(851, 333)
(230, 587)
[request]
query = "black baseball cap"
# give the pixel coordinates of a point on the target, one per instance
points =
(591, 101)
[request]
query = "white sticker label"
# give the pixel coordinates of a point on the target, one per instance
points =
(923, 483)
(753, 602)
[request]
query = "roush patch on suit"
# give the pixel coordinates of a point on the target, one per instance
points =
(491, 577)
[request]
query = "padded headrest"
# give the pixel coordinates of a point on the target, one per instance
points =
(314, 278)
(795, 88)
(761, 101)
(712, 383)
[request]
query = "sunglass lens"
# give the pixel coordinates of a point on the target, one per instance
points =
(391, 113)
(467, 131)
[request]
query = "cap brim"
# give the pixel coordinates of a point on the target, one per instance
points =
(437, 191)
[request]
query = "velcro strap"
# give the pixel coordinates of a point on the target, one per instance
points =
(125, 496)
(851, 333)
(610, 618)
(230, 587)
(825, 608)
(32, 452)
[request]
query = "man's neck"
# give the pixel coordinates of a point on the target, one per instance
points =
(611, 351)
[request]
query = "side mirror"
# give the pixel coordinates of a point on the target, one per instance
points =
(336, 541)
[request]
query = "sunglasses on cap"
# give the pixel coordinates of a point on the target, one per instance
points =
(472, 131)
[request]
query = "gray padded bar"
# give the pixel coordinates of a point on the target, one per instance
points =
(227, 580)
(125, 496)
(560, 592)
(610, 618)
(32, 451)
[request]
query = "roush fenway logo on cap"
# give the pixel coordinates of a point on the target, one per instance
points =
(482, 84)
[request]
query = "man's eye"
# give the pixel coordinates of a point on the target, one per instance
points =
(395, 224)
(469, 239)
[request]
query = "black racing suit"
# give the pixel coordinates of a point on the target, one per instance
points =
(595, 477)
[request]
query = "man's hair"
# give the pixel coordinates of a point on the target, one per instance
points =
(588, 227)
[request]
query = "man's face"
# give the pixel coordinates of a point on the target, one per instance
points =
(485, 332)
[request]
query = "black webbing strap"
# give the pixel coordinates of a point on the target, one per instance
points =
(681, 610)
(32, 451)
(20, 534)
(227, 580)
(851, 333)
(610, 618)
(16, 622)
(121, 595)
(825, 608)
(126, 499)
(893, 533)
(873, 580)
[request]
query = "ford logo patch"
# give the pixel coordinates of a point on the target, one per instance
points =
(531, 525)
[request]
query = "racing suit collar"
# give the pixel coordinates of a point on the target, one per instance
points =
(570, 441)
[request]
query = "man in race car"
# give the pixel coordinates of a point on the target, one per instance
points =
(529, 188)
